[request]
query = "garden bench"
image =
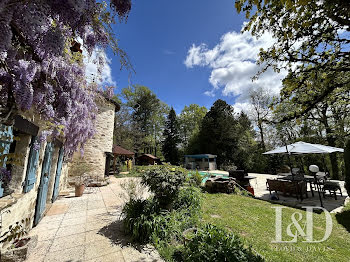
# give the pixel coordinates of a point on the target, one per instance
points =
(287, 187)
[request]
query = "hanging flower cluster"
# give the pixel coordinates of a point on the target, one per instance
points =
(41, 64)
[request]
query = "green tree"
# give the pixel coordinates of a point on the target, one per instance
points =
(189, 120)
(312, 39)
(327, 122)
(246, 152)
(218, 133)
(148, 115)
(171, 139)
(124, 133)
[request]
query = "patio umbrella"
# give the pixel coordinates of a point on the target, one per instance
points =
(305, 148)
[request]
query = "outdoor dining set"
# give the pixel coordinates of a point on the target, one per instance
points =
(295, 182)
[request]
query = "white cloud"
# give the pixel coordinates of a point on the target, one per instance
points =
(104, 77)
(233, 64)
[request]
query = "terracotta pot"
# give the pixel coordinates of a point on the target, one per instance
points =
(79, 190)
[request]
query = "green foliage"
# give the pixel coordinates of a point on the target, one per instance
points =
(171, 139)
(165, 183)
(188, 198)
(169, 226)
(139, 218)
(147, 120)
(254, 221)
(218, 133)
(322, 55)
(145, 220)
(212, 243)
(190, 120)
(347, 165)
(196, 178)
(229, 137)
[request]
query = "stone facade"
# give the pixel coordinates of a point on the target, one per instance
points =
(95, 149)
(20, 205)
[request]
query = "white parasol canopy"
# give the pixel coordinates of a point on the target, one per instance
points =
(304, 148)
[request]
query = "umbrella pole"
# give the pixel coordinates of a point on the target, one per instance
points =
(289, 162)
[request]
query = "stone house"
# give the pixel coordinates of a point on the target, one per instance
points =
(38, 176)
(98, 148)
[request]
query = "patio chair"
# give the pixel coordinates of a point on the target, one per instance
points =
(331, 186)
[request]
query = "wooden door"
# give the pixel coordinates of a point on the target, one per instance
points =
(58, 175)
(44, 184)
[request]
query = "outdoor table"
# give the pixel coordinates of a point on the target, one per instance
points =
(306, 178)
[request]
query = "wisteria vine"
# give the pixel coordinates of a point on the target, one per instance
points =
(41, 66)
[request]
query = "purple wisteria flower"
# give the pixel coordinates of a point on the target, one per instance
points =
(40, 72)
(5, 175)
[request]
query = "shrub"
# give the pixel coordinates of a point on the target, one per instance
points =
(188, 198)
(165, 183)
(139, 218)
(196, 178)
(132, 189)
(215, 244)
(169, 226)
(144, 220)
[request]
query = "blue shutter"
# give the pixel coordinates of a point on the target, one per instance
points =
(58, 175)
(6, 138)
(31, 167)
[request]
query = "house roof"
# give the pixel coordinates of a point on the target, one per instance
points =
(118, 150)
(150, 156)
(202, 156)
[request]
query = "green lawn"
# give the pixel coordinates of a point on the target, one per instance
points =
(254, 221)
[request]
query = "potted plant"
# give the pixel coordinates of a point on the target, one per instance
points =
(79, 186)
(79, 171)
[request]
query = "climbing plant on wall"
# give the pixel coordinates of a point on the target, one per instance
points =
(42, 46)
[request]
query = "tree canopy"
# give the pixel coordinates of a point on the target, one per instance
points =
(218, 132)
(148, 116)
(190, 120)
(171, 139)
(312, 41)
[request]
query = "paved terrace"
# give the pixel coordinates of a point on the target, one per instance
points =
(261, 192)
(332, 205)
(88, 228)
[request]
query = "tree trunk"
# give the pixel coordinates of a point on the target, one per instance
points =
(261, 135)
(331, 142)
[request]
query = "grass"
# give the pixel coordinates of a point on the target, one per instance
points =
(254, 221)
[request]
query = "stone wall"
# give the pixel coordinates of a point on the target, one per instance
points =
(94, 150)
(20, 205)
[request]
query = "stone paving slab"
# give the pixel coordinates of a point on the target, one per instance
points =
(88, 228)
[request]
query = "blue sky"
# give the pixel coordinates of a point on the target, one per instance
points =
(157, 38)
